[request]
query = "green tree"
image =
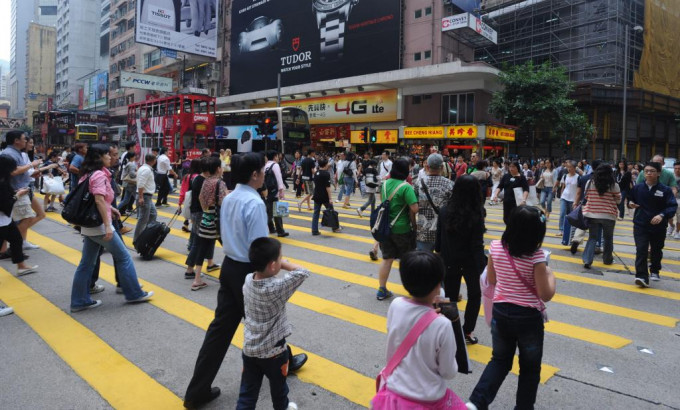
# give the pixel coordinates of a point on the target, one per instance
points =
(536, 99)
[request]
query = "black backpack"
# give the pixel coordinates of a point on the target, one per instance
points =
(80, 208)
(270, 181)
(347, 170)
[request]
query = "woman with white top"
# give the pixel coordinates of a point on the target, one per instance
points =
(548, 177)
(569, 186)
(95, 170)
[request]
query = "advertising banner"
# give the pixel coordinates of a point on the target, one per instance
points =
(305, 42)
(187, 26)
(469, 21)
(499, 133)
(370, 106)
(95, 92)
(245, 134)
(145, 82)
(461, 132)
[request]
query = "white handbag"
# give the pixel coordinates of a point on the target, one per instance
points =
(53, 186)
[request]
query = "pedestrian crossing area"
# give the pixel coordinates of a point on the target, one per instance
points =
(125, 356)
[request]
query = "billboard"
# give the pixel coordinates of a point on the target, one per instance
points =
(190, 27)
(145, 82)
(244, 134)
(95, 92)
(329, 40)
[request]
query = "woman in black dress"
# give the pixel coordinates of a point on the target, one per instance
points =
(513, 179)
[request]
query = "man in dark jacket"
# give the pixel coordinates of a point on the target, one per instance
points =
(654, 205)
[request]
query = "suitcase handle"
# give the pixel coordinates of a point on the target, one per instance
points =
(174, 218)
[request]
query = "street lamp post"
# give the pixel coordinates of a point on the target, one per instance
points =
(626, 48)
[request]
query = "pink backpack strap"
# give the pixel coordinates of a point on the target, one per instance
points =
(410, 340)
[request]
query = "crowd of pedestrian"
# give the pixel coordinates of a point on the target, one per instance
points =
(428, 212)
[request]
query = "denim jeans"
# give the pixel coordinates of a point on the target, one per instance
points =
(254, 369)
(129, 195)
(126, 269)
(317, 212)
(644, 239)
(424, 246)
(348, 185)
(369, 202)
(565, 208)
(547, 198)
(145, 214)
(512, 327)
(622, 204)
(600, 231)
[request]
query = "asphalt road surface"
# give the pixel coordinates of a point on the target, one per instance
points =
(609, 344)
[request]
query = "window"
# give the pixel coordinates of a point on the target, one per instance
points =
(152, 59)
(428, 11)
(416, 99)
(419, 13)
(48, 10)
(458, 108)
(187, 105)
(416, 56)
(428, 54)
(427, 97)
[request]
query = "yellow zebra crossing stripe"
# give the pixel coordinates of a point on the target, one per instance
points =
(116, 379)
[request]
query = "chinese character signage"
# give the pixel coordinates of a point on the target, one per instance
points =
(311, 40)
(145, 82)
(190, 27)
(372, 106)
(499, 133)
(382, 137)
(461, 132)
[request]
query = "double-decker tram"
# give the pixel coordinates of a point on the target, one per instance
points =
(184, 124)
(285, 129)
(61, 128)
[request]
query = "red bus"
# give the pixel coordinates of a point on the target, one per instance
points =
(183, 123)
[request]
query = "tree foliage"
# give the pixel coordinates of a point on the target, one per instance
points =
(536, 98)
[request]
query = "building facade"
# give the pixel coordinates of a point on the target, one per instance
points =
(588, 38)
(40, 59)
(78, 48)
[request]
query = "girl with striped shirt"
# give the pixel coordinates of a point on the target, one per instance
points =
(517, 266)
(603, 196)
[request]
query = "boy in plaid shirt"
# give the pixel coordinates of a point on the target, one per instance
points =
(265, 352)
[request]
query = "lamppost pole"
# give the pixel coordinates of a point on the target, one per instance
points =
(625, 92)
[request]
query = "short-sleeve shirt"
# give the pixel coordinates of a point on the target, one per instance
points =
(307, 166)
(20, 180)
(509, 287)
(570, 186)
(509, 182)
(322, 180)
(405, 197)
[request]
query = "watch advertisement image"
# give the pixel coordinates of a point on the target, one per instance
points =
(189, 26)
(311, 40)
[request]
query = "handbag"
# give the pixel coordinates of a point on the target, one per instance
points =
(540, 184)
(387, 400)
(209, 227)
(533, 290)
(281, 209)
(186, 210)
(80, 208)
(330, 219)
(575, 217)
(53, 186)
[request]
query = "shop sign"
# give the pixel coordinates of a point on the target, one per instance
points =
(326, 133)
(423, 132)
(499, 133)
(372, 106)
(382, 137)
(461, 132)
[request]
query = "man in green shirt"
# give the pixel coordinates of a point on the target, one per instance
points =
(403, 208)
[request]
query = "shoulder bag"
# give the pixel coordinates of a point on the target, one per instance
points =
(575, 217)
(80, 208)
(435, 208)
(209, 227)
(533, 290)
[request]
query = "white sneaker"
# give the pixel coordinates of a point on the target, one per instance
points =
(669, 230)
(292, 406)
(29, 246)
(470, 406)
(22, 272)
(6, 310)
(677, 235)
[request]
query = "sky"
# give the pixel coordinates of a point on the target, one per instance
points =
(5, 12)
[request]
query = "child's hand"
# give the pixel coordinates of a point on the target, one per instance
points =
(286, 265)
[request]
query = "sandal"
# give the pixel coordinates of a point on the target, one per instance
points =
(199, 286)
(471, 340)
(373, 255)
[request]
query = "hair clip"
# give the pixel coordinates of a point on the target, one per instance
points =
(542, 217)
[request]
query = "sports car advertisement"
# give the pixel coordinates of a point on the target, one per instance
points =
(311, 40)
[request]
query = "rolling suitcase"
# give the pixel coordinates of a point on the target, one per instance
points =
(152, 237)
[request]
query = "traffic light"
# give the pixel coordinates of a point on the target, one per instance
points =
(260, 126)
(568, 143)
(266, 126)
(364, 135)
(374, 136)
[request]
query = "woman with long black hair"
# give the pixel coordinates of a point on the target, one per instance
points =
(460, 242)
(602, 196)
(625, 180)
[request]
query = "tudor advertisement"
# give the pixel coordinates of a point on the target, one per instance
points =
(311, 40)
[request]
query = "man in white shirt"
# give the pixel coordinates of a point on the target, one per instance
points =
(385, 166)
(146, 211)
(273, 194)
(163, 168)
